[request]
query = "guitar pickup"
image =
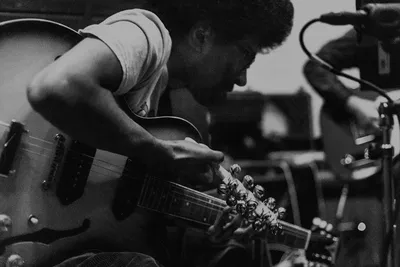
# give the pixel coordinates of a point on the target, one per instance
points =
(10, 147)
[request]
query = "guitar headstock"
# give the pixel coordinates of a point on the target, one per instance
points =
(324, 245)
(248, 200)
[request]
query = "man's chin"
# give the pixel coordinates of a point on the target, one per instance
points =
(213, 100)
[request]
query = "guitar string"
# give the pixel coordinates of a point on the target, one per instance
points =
(127, 170)
(191, 195)
(195, 195)
(67, 150)
(216, 204)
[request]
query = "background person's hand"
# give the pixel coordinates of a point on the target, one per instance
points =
(365, 113)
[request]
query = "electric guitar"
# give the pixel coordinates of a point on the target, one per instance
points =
(346, 144)
(59, 196)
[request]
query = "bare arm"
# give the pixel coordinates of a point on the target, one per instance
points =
(341, 53)
(75, 94)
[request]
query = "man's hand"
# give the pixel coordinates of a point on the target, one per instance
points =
(229, 225)
(192, 161)
(365, 113)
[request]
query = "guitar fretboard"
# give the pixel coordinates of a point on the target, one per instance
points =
(178, 201)
(184, 203)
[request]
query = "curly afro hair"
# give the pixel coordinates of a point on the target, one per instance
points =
(269, 22)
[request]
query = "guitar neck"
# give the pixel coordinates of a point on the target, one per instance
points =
(180, 202)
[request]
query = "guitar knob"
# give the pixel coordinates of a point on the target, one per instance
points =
(281, 213)
(15, 261)
(235, 170)
(248, 182)
(259, 192)
(5, 222)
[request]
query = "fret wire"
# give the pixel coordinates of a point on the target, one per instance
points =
(154, 192)
(148, 192)
(160, 194)
(172, 198)
(166, 199)
(152, 189)
(144, 192)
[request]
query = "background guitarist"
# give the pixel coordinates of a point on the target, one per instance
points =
(343, 53)
(130, 58)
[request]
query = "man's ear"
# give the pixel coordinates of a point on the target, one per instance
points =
(201, 37)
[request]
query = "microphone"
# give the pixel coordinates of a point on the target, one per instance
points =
(345, 18)
(379, 20)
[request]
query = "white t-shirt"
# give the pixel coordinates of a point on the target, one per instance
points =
(142, 45)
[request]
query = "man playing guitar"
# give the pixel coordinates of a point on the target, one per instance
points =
(124, 65)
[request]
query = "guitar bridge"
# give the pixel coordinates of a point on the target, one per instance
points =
(10, 147)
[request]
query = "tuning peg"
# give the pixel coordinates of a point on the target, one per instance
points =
(231, 201)
(281, 213)
(222, 189)
(235, 170)
(248, 182)
(251, 206)
(241, 195)
(258, 225)
(241, 207)
(259, 192)
(263, 218)
(270, 203)
(232, 186)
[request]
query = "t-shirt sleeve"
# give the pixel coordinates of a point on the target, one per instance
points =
(137, 43)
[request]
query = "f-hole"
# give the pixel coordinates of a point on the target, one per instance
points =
(57, 57)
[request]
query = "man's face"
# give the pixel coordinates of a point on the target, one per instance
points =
(216, 73)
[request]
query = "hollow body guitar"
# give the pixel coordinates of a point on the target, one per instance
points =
(58, 194)
(343, 139)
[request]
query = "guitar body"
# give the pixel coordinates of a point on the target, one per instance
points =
(339, 134)
(51, 216)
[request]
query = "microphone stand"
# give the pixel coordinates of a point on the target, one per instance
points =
(386, 112)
